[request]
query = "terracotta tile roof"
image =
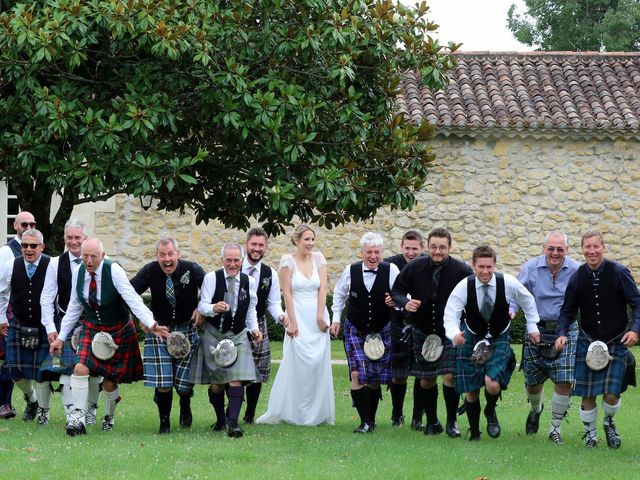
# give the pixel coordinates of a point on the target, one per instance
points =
(589, 93)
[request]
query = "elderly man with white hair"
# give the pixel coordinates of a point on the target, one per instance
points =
(362, 289)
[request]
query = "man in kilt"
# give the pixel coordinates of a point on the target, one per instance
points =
(174, 285)
(546, 277)
(411, 247)
(23, 221)
(227, 320)
(53, 302)
(21, 283)
(362, 288)
(601, 290)
(421, 292)
(485, 298)
(268, 294)
(101, 297)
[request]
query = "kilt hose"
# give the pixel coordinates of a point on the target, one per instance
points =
(262, 352)
(591, 383)
(204, 369)
(161, 369)
(369, 371)
(25, 362)
(126, 364)
(499, 368)
(400, 352)
(420, 368)
(561, 369)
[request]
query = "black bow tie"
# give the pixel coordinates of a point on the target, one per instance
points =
(371, 271)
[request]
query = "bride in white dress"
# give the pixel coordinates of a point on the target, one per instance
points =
(302, 392)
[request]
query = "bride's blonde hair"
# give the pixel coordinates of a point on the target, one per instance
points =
(299, 230)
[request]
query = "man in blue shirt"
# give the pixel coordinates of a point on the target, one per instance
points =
(546, 277)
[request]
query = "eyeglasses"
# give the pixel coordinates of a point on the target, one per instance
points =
(28, 224)
(555, 249)
(32, 246)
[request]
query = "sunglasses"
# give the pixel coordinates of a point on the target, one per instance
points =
(28, 224)
(32, 246)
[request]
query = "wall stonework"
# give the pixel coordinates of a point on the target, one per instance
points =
(506, 192)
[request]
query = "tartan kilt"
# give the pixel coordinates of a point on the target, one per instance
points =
(25, 362)
(161, 369)
(369, 371)
(126, 364)
(610, 379)
(262, 353)
(400, 352)
(204, 369)
(560, 369)
(420, 368)
(499, 368)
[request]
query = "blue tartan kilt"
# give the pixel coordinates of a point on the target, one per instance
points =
(369, 371)
(25, 362)
(499, 368)
(591, 383)
(67, 359)
(161, 369)
(400, 352)
(444, 365)
(560, 369)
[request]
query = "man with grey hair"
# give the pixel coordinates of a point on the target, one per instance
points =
(23, 221)
(174, 285)
(102, 295)
(228, 303)
(362, 289)
(546, 277)
(21, 282)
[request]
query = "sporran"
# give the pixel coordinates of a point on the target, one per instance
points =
(374, 346)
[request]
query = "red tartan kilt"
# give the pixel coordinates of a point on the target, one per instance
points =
(126, 364)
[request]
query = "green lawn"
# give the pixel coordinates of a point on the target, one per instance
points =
(135, 451)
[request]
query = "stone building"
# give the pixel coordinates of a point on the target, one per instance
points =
(526, 142)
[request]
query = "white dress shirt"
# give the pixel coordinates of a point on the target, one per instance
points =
(6, 272)
(120, 283)
(515, 292)
(50, 291)
(341, 291)
(274, 300)
(205, 307)
(6, 253)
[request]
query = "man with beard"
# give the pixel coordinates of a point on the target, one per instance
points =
(54, 302)
(363, 288)
(23, 221)
(411, 247)
(103, 296)
(421, 292)
(174, 285)
(21, 282)
(268, 294)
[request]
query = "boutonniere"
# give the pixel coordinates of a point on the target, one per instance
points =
(266, 283)
(184, 280)
(243, 294)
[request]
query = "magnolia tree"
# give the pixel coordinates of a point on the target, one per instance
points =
(239, 110)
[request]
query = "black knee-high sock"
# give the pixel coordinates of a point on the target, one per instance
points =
(235, 394)
(253, 394)
(217, 400)
(361, 402)
(6, 390)
(451, 399)
(473, 414)
(398, 392)
(417, 401)
(492, 400)
(375, 394)
(430, 403)
(164, 401)
(185, 399)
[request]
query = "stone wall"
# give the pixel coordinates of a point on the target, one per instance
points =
(506, 192)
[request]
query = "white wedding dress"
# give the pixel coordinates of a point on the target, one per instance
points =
(302, 392)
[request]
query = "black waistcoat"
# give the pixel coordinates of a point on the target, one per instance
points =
(603, 311)
(15, 247)
(500, 318)
(367, 310)
(64, 282)
(25, 292)
(264, 287)
(225, 321)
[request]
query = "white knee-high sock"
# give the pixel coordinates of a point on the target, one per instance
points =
(535, 399)
(27, 388)
(110, 401)
(43, 392)
(589, 418)
(65, 393)
(610, 410)
(80, 391)
(94, 391)
(559, 406)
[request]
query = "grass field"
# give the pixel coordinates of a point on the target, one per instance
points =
(135, 451)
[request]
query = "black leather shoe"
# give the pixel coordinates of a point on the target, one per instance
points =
(417, 425)
(235, 432)
(474, 436)
(30, 411)
(452, 430)
(186, 418)
(219, 426)
(397, 421)
(533, 422)
(248, 420)
(365, 428)
(613, 437)
(493, 426)
(165, 425)
(433, 429)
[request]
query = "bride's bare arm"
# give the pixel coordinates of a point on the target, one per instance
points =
(322, 298)
(284, 275)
